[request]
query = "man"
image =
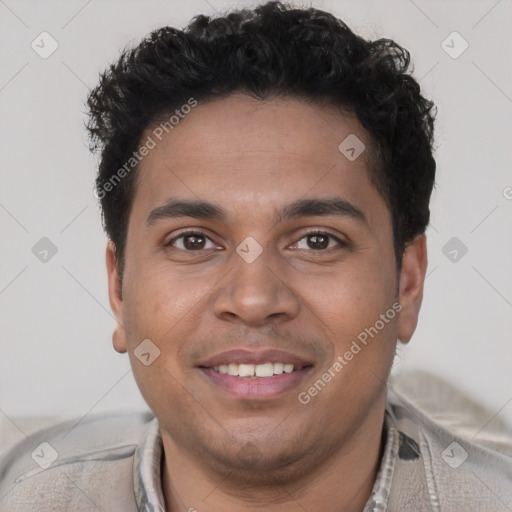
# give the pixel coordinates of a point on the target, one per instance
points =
(265, 181)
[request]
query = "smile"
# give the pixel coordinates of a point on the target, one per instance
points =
(255, 375)
(256, 382)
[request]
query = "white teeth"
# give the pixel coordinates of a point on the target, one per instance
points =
(264, 370)
(278, 368)
(254, 370)
(245, 370)
(233, 369)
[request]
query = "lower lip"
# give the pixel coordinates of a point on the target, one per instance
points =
(259, 388)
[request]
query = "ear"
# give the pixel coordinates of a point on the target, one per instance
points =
(412, 277)
(115, 298)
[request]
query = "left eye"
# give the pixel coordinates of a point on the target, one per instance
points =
(318, 241)
(192, 242)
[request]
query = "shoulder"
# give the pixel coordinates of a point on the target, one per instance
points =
(462, 471)
(87, 463)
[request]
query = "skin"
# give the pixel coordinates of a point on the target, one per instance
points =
(252, 157)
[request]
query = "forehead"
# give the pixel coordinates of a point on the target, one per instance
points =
(245, 152)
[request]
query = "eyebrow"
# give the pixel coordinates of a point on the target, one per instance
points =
(301, 208)
(321, 207)
(186, 208)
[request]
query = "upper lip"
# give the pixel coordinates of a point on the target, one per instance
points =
(242, 356)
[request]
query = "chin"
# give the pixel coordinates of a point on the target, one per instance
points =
(256, 462)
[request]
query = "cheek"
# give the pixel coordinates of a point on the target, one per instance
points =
(155, 300)
(353, 308)
(155, 307)
(350, 305)
(166, 307)
(351, 299)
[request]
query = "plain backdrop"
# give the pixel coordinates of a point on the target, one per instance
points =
(56, 356)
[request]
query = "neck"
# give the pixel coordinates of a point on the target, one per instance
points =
(341, 482)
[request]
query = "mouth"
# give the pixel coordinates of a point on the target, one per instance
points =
(255, 376)
(255, 371)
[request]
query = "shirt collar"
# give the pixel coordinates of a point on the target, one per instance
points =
(379, 497)
(147, 464)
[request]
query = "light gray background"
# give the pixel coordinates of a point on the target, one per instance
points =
(56, 356)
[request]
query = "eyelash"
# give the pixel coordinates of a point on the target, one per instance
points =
(340, 242)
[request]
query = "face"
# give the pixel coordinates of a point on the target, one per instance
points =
(255, 246)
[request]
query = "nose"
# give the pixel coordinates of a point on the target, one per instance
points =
(254, 294)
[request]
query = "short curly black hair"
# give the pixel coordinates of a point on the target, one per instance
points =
(275, 49)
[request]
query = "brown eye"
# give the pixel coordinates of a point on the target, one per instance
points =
(191, 242)
(194, 241)
(318, 241)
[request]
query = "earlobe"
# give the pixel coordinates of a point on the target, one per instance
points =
(115, 298)
(119, 339)
(412, 277)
